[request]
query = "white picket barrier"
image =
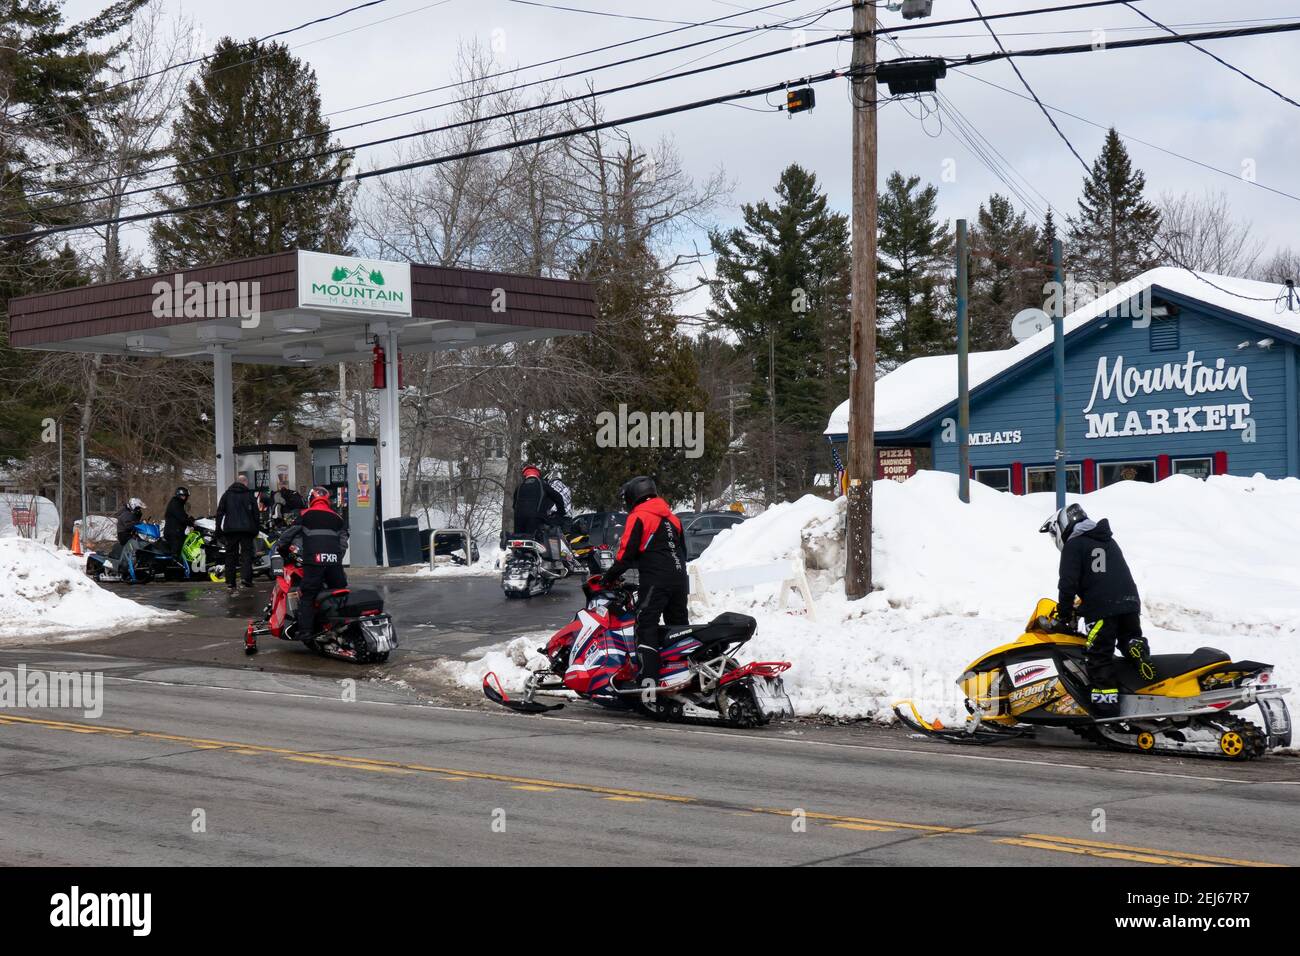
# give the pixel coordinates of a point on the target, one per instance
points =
(789, 574)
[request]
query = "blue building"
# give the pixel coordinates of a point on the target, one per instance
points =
(1172, 373)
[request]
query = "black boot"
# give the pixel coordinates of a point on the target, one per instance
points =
(1105, 702)
(1139, 652)
(648, 665)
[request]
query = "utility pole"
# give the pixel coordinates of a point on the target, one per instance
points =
(963, 365)
(861, 462)
(1058, 371)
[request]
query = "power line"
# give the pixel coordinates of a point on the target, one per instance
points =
(423, 109)
(1217, 59)
(1029, 89)
(519, 111)
(175, 66)
(332, 181)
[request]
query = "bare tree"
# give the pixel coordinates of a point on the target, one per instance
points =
(1202, 233)
(1284, 264)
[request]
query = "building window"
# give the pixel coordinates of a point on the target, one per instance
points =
(1111, 472)
(1043, 478)
(996, 478)
(1195, 467)
(1164, 333)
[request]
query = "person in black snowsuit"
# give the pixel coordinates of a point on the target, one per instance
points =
(653, 543)
(132, 514)
(1093, 569)
(237, 521)
(321, 537)
(176, 521)
(536, 504)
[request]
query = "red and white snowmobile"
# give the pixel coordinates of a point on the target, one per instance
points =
(594, 657)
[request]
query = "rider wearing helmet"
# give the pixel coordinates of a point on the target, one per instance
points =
(176, 521)
(536, 503)
(1094, 570)
(132, 514)
(653, 543)
(322, 539)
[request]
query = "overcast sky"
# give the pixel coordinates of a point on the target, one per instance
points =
(1173, 97)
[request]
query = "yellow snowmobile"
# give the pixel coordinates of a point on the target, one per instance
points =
(1040, 680)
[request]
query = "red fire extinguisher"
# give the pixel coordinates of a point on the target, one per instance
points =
(378, 378)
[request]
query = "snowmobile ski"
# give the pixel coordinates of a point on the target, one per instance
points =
(494, 692)
(973, 732)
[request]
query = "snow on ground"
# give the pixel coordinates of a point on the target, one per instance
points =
(487, 565)
(1215, 560)
(45, 593)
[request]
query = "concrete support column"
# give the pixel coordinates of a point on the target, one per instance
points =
(223, 395)
(390, 435)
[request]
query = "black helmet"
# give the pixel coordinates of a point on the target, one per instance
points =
(1061, 525)
(638, 490)
(182, 492)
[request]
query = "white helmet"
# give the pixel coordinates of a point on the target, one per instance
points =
(1062, 524)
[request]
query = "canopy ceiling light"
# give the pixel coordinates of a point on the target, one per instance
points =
(217, 333)
(147, 344)
(303, 353)
(297, 322)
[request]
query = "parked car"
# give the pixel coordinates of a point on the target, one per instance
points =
(704, 527)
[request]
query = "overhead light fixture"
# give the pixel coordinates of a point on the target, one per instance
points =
(218, 333)
(296, 322)
(147, 344)
(917, 74)
(303, 353)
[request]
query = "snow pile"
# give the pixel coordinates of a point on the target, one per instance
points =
(1216, 562)
(45, 592)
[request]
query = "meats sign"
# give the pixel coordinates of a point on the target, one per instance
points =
(1115, 381)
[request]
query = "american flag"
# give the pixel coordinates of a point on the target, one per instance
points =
(839, 469)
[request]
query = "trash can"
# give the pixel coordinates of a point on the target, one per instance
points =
(402, 541)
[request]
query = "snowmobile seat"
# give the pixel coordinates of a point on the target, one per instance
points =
(727, 628)
(1170, 665)
(357, 602)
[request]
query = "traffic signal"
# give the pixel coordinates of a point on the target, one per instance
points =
(796, 101)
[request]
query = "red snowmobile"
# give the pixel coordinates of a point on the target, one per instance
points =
(594, 656)
(350, 624)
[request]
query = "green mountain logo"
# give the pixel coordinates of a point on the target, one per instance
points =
(360, 275)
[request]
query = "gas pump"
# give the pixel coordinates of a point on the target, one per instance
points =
(346, 469)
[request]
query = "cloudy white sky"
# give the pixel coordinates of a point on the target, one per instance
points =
(1172, 97)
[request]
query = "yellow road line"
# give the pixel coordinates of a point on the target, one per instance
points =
(1098, 852)
(622, 794)
(1197, 857)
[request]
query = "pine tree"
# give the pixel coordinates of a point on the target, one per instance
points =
(51, 74)
(781, 287)
(1112, 238)
(1004, 276)
(912, 319)
(250, 94)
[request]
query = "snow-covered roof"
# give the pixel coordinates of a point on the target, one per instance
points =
(921, 387)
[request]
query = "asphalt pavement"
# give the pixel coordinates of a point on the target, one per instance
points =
(204, 757)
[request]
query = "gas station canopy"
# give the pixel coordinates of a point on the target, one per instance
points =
(302, 308)
(311, 308)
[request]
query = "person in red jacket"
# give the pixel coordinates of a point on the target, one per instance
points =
(653, 543)
(322, 540)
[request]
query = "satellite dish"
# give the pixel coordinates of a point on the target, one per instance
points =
(1028, 323)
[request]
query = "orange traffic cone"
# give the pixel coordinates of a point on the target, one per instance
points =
(76, 539)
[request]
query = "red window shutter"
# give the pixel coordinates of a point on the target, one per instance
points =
(1089, 475)
(1017, 478)
(1220, 462)
(1163, 467)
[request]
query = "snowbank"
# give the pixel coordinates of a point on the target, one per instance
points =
(45, 593)
(1216, 562)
